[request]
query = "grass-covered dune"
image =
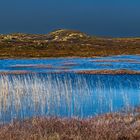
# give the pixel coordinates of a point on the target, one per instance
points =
(65, 43)
(106, 127)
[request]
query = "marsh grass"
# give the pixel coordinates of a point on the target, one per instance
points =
(106, 127)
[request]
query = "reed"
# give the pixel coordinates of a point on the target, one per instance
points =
(66, 95)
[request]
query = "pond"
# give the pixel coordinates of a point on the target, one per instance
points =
(130, 62)
(40, 93)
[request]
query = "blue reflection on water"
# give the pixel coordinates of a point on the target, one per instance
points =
(66, 95)
(130, 62)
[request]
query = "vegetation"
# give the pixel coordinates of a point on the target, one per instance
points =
(106, 127)
(112, 72)
(65, 43)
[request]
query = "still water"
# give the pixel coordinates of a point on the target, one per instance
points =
(130, 62)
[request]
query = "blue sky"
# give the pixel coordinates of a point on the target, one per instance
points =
(96, 17)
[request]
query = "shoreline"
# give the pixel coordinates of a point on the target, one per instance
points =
(110, 72)
(67, 57)
(90, 72)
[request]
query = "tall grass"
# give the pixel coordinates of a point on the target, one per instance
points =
(65, 95)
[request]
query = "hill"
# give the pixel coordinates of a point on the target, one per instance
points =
(65, 43)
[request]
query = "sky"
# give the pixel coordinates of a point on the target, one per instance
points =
(114, 18)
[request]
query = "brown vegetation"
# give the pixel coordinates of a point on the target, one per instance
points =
(106, 127)
(65, 43)
(123, 71)
(61, 69)
(70, 64)
(32, 66)
(117, 60)
(16, 72)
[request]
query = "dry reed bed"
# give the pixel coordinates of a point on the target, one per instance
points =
(113, 72)
(67, 70)
(106, 127)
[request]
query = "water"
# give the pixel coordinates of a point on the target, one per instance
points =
(130, 62)
(66, 94)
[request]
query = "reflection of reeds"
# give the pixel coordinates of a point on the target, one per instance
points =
(70, 95)
(26, 95)
(4, 92)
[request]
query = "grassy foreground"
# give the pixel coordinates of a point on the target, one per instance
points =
(106, 127)
(65, 43)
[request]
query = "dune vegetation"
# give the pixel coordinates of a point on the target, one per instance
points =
(65, 43)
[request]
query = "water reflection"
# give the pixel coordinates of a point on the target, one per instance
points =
(66, 95)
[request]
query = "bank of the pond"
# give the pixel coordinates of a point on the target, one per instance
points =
(112, 72)
(61, 71)
(106, 127)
